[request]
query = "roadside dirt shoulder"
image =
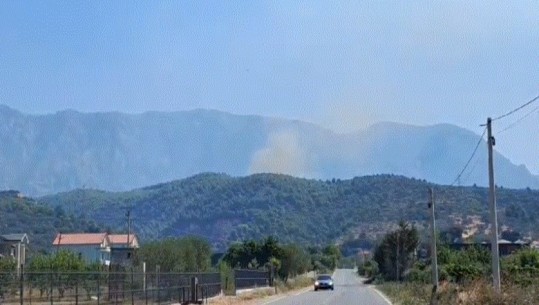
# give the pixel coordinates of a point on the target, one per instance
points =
(254, 298)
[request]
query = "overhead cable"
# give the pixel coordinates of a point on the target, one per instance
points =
(516, 109)
(519, 120)
(471, 157)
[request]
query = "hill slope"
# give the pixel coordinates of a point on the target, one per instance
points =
(41, 222)
(116, 152)
(225, 209)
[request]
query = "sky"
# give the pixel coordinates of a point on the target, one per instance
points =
(341, 64)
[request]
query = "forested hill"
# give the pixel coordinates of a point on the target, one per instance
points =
(225, 209)
(41, 222)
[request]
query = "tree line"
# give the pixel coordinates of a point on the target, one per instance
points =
(195, 254)
(402, 257)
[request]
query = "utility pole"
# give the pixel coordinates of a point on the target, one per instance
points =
(493, 213)
(433, 251)
(59, 240)
(398, 256)
(128, 214)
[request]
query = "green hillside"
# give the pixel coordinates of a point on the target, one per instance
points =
(225, 209)
(41, 222)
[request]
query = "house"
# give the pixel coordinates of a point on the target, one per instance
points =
(122, 249)
(91, 247)
(14, 245)
(505, 247)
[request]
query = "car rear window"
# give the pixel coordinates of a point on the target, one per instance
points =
(324, 277)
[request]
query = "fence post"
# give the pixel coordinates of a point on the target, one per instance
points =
(132, 286)
(51, 281)
(98, 286)
(145, 288)
(22, 282)
(273, 278)
(158, 288)
(194, 289)
(235, 282)
(179, 290)
(76, 289)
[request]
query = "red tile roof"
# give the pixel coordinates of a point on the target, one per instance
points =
(79, 239)
(120, 238)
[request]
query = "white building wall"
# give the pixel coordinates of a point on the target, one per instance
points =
(89, 253)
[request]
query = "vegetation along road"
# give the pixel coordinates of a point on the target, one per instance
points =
(348, 291)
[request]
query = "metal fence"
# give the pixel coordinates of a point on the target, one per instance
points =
(107, 287)
(245, 279)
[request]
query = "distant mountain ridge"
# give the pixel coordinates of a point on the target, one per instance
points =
(45, 154)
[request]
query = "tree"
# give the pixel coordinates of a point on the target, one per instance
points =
(294, 262)
(188, 254)
(253, 254)
(522, 267)
(7, 274)
(331, 256)
(463, 265)
(368, 269)
(65, 263)
(270, 248)
(36, 272)
(395, 254)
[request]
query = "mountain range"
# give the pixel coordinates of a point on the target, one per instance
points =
(46, 154)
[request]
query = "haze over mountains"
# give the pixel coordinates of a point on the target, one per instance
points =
(45, 154)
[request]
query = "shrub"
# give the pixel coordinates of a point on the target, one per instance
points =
(522, 268)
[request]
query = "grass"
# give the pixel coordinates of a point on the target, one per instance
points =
(250, 298)
(294, 284)
(478, 292)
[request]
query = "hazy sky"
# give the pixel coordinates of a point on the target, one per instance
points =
(341, 64)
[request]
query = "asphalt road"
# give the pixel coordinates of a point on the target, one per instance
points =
(348, 291)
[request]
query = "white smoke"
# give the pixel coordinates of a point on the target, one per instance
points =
(283, 155)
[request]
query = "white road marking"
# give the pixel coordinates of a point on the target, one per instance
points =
(383, 296)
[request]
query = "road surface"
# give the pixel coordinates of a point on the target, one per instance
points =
(348, 291)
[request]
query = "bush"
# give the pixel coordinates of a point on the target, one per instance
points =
(420, 273)
(7, 275)
(521, 268)
(463, 266)
(369, 269)
(474, 293)
(227, 279)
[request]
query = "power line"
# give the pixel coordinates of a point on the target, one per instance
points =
(519, 120)
(516, 109)
(471, 157)
(471, 170)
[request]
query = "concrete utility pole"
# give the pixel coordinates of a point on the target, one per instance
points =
(434, 254)
(128, 214)
(398, 256)
(493, 213)
(433, 251)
